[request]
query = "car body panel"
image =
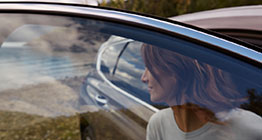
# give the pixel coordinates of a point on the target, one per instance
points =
(243, 23)
(246, 17)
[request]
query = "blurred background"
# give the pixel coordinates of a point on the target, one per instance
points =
(162, 8)
(167, 8)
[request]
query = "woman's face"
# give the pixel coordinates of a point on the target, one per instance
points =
(159, 92)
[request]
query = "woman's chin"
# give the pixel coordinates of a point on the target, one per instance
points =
(155, 99)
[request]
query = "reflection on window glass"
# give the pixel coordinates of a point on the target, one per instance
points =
(74, 78)
(126, 66)
(205, 102)
(45, 62)
(207, 98)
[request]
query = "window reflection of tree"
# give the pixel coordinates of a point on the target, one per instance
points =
(254, 102)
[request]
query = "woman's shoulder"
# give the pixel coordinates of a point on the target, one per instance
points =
(244, 115)
(161, 115)
(246, 120)
(238, 114)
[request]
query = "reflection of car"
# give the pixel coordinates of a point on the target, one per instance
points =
(72, 71)
(238, 22)
(120, 51)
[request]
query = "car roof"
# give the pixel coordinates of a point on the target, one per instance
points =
(82, 2)
(244, 17)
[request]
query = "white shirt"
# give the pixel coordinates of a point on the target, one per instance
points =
(240, 125)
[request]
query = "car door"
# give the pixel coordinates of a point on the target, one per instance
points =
(73, 72)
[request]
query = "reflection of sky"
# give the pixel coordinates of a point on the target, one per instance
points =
(28, 83)
(30, 58)
(28, 49)
(130, 66)
(28, 32)
(110, 56)
(22, 66)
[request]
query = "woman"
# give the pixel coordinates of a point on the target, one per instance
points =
(202, 100)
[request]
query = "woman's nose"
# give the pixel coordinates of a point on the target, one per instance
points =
(144, 77)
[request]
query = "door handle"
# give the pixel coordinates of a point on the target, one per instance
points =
(101, 100)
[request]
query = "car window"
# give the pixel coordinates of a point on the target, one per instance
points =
(126, 67)
(68, 77)
(49, 85)
(202, 97)
(43, 61)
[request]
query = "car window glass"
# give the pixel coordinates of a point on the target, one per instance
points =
(202, 98)
(69, 78)
(44, 64)
(126, 67)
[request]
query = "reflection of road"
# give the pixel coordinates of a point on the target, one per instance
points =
(40, 84)
(54, 98)
(46, 99)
